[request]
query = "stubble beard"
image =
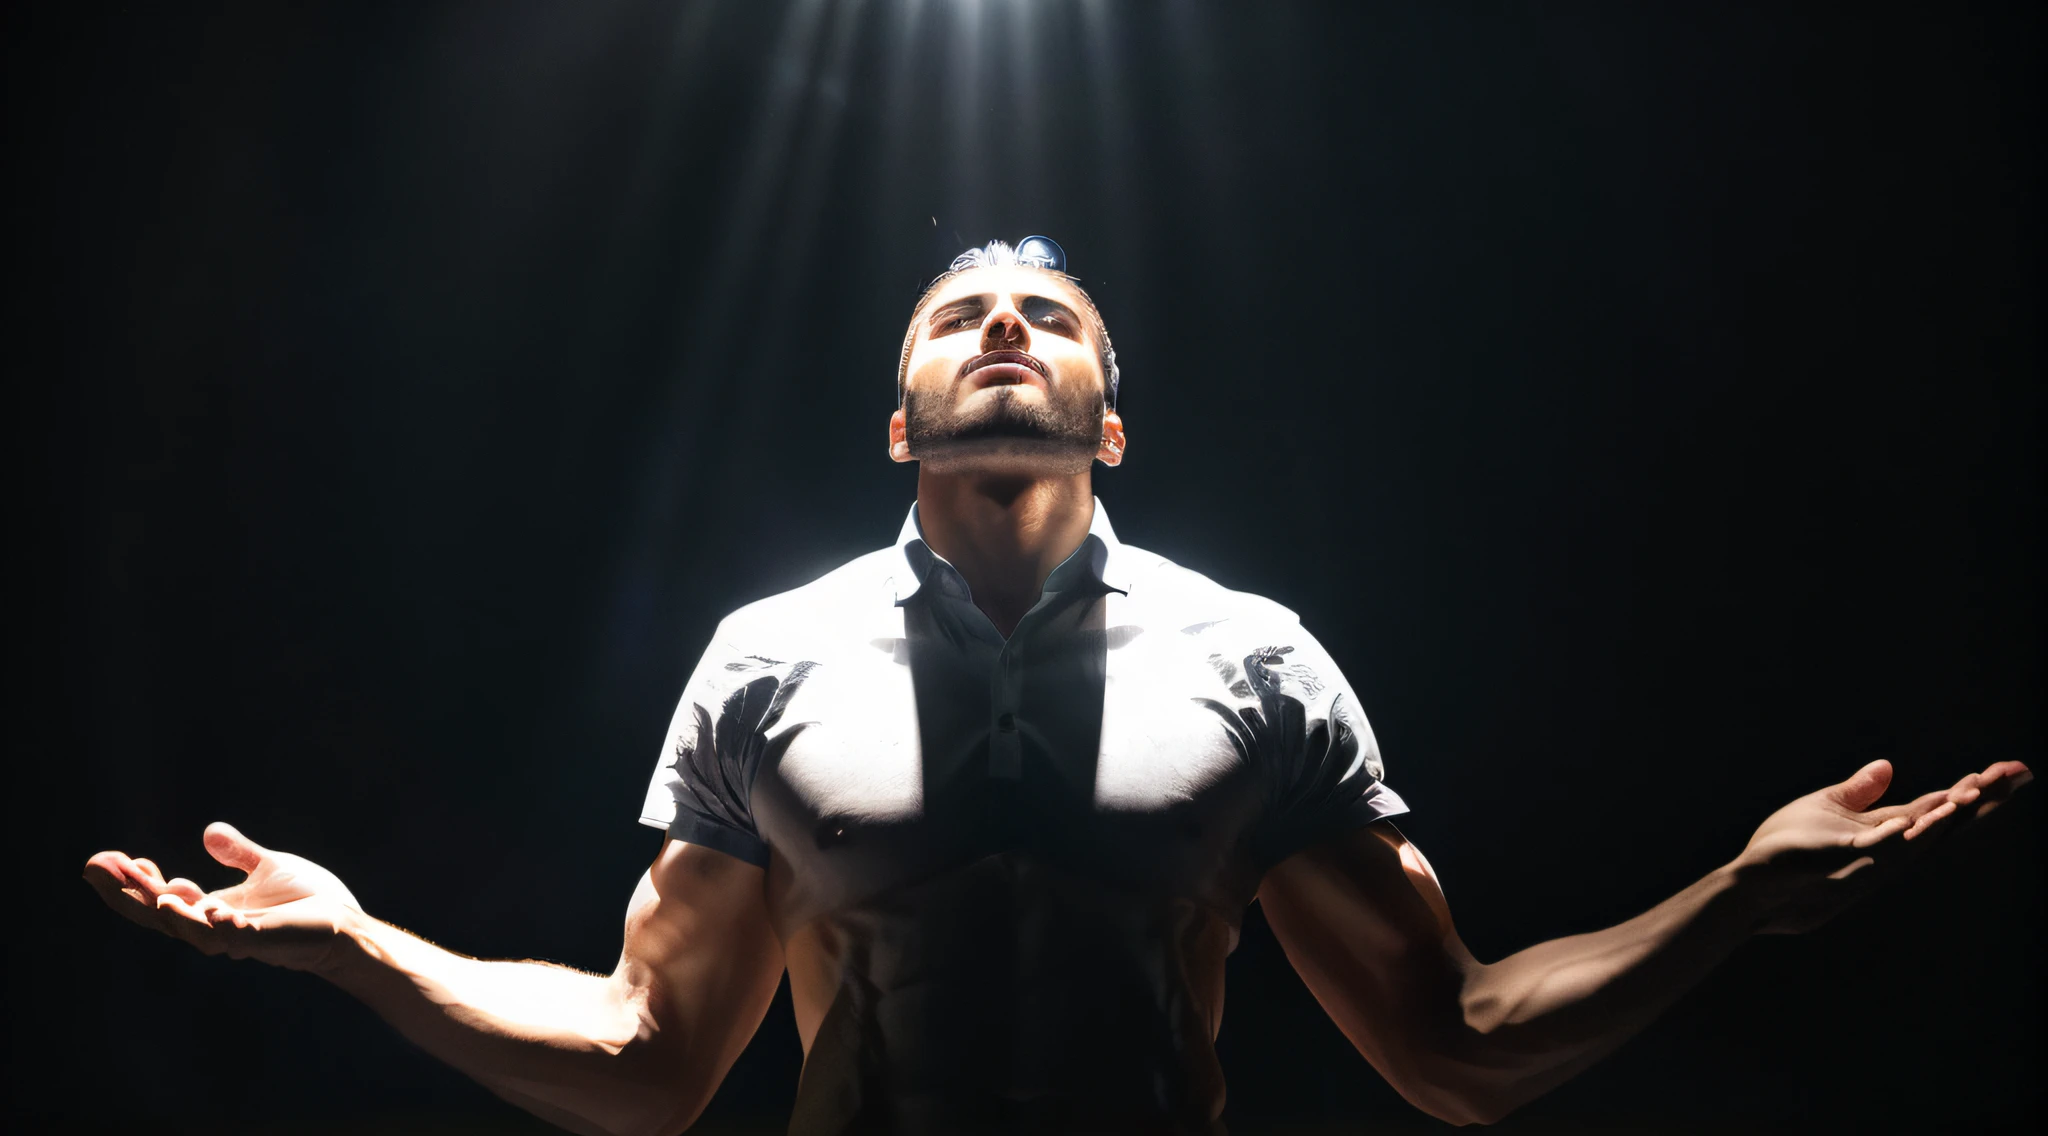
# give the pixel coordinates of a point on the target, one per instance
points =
(1003, 434)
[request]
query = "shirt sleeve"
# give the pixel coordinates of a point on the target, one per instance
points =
(703, 783)
(1322, 766)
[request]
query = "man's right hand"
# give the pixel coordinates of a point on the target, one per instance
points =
(289, 912)
(639, 1050)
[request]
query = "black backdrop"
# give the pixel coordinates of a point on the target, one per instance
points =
(1642, 403)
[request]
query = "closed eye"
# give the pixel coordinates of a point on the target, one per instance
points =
(1050, 314)
(959, 315)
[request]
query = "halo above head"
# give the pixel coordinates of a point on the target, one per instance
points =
(1042, 252)
(1031, 252)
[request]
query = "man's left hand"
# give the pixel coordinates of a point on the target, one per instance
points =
(1824, 851)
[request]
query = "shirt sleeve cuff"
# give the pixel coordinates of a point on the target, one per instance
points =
(731, 841)
(1375, 804)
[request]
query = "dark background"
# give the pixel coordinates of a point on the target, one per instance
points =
(1643, 403)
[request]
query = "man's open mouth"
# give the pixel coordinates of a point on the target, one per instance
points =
(1004, 368)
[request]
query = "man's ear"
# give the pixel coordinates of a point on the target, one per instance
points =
(899, 448)
(1113, 441)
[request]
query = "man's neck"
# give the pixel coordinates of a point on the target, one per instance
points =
(1005, 534)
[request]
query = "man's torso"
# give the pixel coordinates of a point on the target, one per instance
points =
(1007, 871)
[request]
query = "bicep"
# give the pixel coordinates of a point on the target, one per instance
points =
(1362, 920)
(700, 964)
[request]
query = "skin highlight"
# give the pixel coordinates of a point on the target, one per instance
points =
(1004, 505)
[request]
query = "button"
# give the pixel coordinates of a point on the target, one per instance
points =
(1007, 723)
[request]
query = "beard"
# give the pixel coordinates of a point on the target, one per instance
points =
(1003, 433)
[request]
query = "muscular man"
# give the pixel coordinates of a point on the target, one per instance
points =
(996, 797)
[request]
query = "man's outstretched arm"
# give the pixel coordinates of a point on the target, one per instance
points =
(638, 1051)
(1365, 924)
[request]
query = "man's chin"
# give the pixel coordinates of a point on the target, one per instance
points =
(1006, 456)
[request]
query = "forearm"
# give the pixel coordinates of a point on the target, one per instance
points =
(1365, 924)
(573, 1048)
(1541, 1015)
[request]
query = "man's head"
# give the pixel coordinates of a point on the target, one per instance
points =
(1006, 368)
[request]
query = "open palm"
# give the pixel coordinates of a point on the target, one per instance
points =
(1829, 848)
(289, 911)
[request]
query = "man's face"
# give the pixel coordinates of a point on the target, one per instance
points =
(1004, 377)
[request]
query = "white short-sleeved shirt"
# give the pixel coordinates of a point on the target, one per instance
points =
(1014, 862)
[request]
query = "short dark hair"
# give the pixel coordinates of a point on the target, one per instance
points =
(997, 254)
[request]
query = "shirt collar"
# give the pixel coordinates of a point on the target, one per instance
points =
(1100, 557)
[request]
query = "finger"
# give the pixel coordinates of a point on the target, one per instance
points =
(185, 889)
(1996, 773)
(1863, 787)
(1995, 796)
(1930, 821)
(1972, 797)
(149, 866)
(110, 865)
(1875, 835)
(126, 902)
(1980, 793)
(227, 844)
(148, 891)
(1971, 789)
(176, 907)
(2002, 779)
(186, 922)
(2004, 770)
(133, 880)
(218, 914)
(123, 887)
(229, 929)
(1912, 809)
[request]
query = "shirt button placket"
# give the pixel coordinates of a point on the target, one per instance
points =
(1005, 750)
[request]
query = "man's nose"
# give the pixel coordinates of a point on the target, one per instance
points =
(1005, 330)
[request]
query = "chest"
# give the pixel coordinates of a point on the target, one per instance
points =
(1106, 751)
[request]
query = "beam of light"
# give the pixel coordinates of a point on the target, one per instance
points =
(963, 103)
(642, 191)
(607, 308)
(1201, 123)
(811, 181)
(1026, 96)
(704, 339)
(885, 177)
(959, 126)
(1116, 140)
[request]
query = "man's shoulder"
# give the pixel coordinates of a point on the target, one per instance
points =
(1167, 593)
(842, 600)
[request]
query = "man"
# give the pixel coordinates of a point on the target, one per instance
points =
(996, 797)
